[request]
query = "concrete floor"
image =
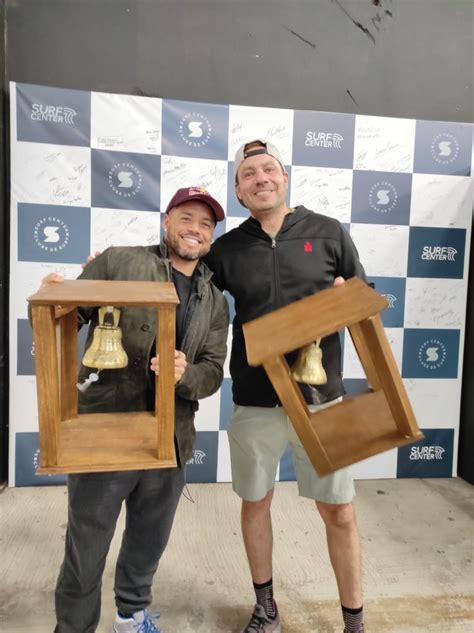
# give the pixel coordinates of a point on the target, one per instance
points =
(417, 542)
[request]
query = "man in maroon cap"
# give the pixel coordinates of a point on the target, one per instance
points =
(151, 496)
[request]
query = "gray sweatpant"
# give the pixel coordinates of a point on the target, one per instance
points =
(95, 500)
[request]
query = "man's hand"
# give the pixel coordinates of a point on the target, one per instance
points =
(90, 259)
(54, 278)
(180, 364)
(339, 281)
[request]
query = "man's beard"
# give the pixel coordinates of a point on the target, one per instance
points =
(190, 256)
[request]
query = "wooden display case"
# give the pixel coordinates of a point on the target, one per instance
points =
(359, 426)
(71, 442)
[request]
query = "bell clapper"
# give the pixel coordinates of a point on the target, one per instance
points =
(93, 377)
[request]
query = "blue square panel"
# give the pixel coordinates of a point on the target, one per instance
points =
(443, 148)
(53, 115)
(27, 460)
(436, 252)
(202, 467)
(125, 180)
(393, 289)
(430, 353)
(355, 386)
(52, 233)
(381, 197)
(287, 467)
(431, 457)
(25, 349)
(323, 139)
(197, 130)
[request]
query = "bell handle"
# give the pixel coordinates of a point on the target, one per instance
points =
(109, 310)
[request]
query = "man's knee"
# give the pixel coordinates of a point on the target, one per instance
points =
(252, 508)
(337, 515)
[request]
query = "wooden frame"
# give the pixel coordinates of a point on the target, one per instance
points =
(360, 426)
(71, 442)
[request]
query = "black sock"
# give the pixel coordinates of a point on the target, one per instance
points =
(264, 595)
(353, 620)
(125, 615)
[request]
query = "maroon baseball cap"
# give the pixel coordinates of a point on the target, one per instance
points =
(196, 193)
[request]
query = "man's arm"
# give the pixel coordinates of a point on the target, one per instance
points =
(204, 377)
(349, 264)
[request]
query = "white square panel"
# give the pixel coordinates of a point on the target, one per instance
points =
(51, 174)
(352, 367)
(395, 339)
(224, 471)
(119, 227)
(177, 172)
(383, 249)
(126, 123)
(324, 190)
(270, 124)
(229, 347)
(436, 403)
(207, 417)
(23, 403)
(352, 364)
(384, 144)
(233, 222)
(444, 201)
(435, 303)
(28, 276)
(381, 466)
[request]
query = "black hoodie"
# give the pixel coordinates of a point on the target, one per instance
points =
(264, 274)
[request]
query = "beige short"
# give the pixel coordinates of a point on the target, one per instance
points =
(258, 437)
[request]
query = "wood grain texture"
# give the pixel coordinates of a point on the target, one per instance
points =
(357, 428)
(85, 292)
(101, 442)
(69, 394)
(313, 317)
(47, 383)
(164, 404)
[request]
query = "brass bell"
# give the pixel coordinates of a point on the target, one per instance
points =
(106, 350)
(308, 367)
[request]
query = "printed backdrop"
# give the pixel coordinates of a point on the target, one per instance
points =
(90, 170)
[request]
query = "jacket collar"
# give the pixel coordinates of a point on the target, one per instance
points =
(202, 272)
(253, 226)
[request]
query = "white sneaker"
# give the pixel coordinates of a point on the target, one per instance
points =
(140, 622)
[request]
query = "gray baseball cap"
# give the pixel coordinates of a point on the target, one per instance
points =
(265, 148)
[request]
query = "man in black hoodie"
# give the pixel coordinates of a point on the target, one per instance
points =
(277, 256)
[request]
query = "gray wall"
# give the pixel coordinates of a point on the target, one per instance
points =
(400, 58)
(403, 58)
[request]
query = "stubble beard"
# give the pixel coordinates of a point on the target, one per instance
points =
(182, 253)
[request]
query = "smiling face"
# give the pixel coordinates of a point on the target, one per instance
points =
(188, 231)
(262, 184)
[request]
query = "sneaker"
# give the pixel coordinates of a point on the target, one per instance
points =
(140, 622)
(261, 623)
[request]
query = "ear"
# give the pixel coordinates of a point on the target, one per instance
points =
(166, 221)
(237, 191)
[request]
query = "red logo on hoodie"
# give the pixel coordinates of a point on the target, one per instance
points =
(308, 247)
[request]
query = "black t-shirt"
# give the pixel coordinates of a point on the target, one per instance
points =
(184, 285)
